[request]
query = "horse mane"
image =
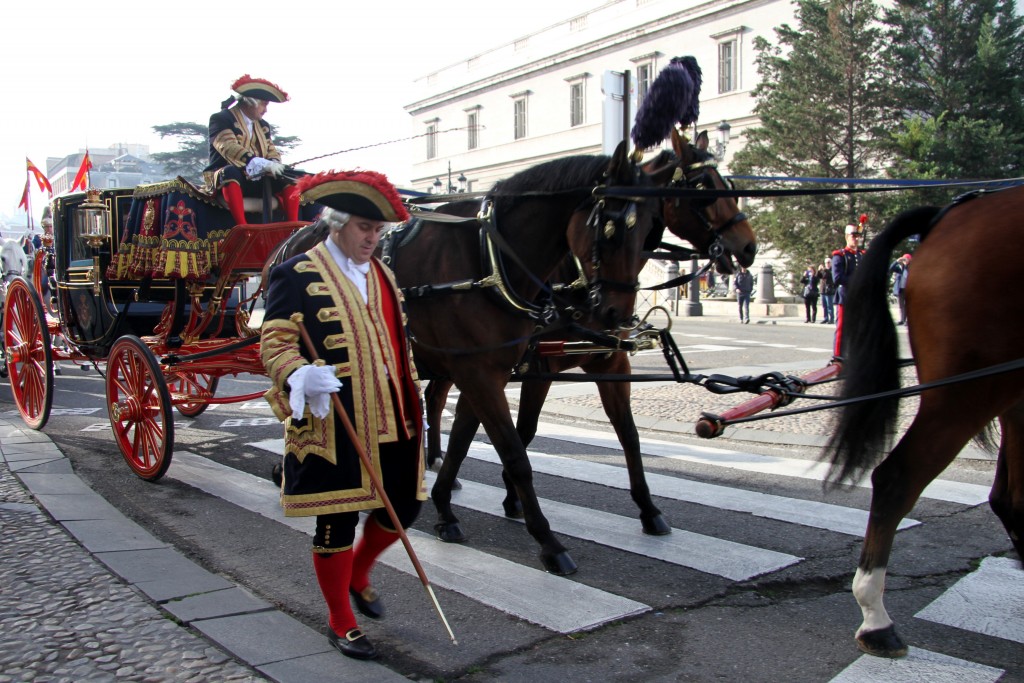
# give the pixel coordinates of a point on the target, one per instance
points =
(559, 175)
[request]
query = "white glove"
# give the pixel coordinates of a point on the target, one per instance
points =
(259, 166)
(314, 383)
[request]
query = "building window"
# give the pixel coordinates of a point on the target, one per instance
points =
(578, 23)
(472, 130)
(432, 140)
(644, 76)
(727, 66)
(519, 114)
(576, 103)
(729, 58)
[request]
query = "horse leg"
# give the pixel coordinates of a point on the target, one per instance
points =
(615, 399)
(532, 395)
(463, 430)
(1007, 496)
(435, 396)
(492, 409)
(931, 443)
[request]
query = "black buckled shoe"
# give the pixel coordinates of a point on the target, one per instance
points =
(368, 602)
(354, 644)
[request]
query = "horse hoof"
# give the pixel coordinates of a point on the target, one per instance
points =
(456, 485)
(559, 564)
(513, 510)
(277, 474)
(884, 642)
(450, 532)
(656, 526)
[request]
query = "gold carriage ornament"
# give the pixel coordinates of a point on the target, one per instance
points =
(92, 225)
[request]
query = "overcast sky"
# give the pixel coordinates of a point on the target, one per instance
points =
(83, 74)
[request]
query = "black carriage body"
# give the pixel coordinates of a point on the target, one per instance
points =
(93, 321)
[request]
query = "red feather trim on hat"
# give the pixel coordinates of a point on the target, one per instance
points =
(377, 181)
(863, 218)
(246, 79)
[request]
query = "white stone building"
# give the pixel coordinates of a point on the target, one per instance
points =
(543, 96)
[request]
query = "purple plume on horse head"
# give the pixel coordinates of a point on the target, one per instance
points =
(674, 97)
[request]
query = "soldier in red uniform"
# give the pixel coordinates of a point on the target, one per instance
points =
(242, 151)
(352, 308)
(844, 263)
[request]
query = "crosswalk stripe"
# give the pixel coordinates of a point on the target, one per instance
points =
(919, 666)
(804, 512)
(989, 600)
(566, 607)
(707, 554)
(940, 489)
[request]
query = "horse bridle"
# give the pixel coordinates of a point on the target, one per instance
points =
(698, 176)
(610, 228)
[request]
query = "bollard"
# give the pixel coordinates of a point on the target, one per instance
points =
(672, 295)
(692, 306)
(766, 285)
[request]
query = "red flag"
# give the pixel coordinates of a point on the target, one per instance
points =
(41, 179)
(24, 196)
(82, 177)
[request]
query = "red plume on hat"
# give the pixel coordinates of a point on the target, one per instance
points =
(260, 88)
(863, 219)
(360, 193)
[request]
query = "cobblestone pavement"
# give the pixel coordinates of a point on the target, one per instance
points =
(64, 617)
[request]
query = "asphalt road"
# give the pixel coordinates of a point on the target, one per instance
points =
(792, 622)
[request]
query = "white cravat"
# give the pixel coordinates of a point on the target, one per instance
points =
(356, 272)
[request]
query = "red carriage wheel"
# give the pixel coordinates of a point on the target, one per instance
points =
(27, 351)
(139, 406)
(195, 384)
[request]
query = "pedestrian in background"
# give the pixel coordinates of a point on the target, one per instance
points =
(810, 293)
(828, 292)
(899, 270)
(844, 263)
(743, 284)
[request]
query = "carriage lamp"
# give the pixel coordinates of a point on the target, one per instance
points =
(92, 227)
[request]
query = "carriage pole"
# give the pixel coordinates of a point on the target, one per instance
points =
(368, 466)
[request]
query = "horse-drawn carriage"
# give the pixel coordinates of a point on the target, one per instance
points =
(152, 285)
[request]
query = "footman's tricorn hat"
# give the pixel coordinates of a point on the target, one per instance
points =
(259, 88)
(360, 193)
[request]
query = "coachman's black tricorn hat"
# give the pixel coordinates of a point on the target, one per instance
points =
(259, 88)
(359, 193)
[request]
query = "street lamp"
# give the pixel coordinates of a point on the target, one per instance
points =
(437, 186)
(723, 140)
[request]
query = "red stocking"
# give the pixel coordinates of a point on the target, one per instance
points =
(289, 201)
(333, 573)
(375, 540)
(236, 202)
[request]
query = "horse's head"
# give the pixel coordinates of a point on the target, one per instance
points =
(714, 226)
(12, 260)
(608, 239)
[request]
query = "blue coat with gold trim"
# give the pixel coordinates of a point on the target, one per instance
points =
(322, 471)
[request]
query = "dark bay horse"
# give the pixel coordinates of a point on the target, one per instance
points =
(952, 331)
(474, 336)
(712, 227)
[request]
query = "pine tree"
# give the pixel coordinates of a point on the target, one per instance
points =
(956, 71)
(820, 105)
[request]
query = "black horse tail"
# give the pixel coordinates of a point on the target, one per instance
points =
(864, 429)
